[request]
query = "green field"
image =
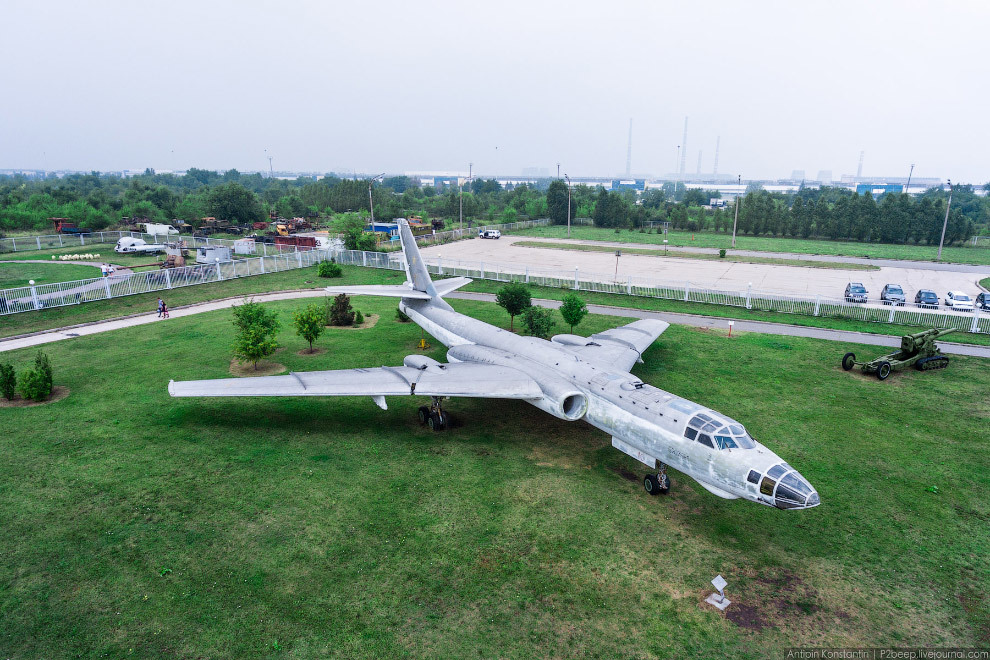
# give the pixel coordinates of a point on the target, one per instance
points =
(704, 256)
(967, 254)
(136, 525)
(14, 275)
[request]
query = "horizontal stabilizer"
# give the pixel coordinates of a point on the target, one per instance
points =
(444, 287)
(390, 291)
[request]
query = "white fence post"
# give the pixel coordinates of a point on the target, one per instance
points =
(818, 302)
(482, 270)
(34, 298)
(262, 261)
(629, 285)
(439, 264)
(687, 290)
(749, 296)
(219, 274)
(168, 278)
(38, 240)
(364, 258)
(575, 278)
(975, 325)
(82, 239)
(60, 240)
(106, 285)
(527, 274)
(299, 258)
(890, 318)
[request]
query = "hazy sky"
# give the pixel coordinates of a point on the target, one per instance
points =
(416, 86)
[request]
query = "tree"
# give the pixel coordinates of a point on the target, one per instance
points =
(309, 323)
(514, 299)
(235, 203)
(557, 203)
(340, 312)
(256, 328)
(44, 367)
(573, 310)
(8, 381)
(539, 321)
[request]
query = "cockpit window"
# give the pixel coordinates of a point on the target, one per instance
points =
(735, 429)
(776, 471)
(690, 433)
(796, 484)
(725, 442)
(706, 441)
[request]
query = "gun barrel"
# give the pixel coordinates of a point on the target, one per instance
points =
(934, 333)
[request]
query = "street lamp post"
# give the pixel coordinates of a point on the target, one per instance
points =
(568, 205)
(736, 221)
(945, 223)
(371, 203)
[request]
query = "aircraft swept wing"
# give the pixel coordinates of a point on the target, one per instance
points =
(619, 348)
(428, 378)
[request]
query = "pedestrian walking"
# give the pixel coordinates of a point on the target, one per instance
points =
(161, 307)
(164, 310)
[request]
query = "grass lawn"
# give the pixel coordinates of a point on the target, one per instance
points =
(658, 252)
(14, 275)
(304, 278)
(726, 312)
(136, 525)
(966, 254)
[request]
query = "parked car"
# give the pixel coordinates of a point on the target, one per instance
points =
(489, 233)
(926, 298)
(983, 301)
(856, 292)
(892, 294)
(958, 300)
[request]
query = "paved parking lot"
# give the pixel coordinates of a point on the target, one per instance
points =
(792, 280)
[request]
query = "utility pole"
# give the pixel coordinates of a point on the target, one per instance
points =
(568, 205)
(736, 221)
(907, 188)
(371, 202)
(558, 170)
(945, 223)
(460, 193)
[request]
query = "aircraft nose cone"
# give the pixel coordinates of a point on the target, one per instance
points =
(794, 492)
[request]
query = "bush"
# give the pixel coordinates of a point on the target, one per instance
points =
(309, 323)
(400, 316)
(721, 253)
(329, 269)
(358, 318)
(8, 381)
(31, 385)
(538, 321)
(256, 330)
(44, 367)
(341, 313)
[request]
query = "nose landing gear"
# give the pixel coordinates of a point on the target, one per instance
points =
(433, 415)
(658, 483)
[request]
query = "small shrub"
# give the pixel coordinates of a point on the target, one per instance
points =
(31, 385)
(400, 316)
(329, 269)
(358, 318)
(8, 381)
(721, 253)
(341, 313)
(44, 367)
(538, 321)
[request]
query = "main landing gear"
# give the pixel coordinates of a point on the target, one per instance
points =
(658, 483)
(433, 415)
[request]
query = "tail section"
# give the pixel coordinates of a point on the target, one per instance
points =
(419, 285)
(416, 271)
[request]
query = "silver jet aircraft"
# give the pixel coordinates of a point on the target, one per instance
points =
(570, 377)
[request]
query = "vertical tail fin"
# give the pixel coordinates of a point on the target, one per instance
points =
(415, 266)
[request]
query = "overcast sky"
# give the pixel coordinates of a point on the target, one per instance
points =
(426, 86)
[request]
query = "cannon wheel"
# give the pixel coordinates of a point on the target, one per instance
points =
(848, 361)
(883, 370)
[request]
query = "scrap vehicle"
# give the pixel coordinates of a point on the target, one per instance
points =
(300, 242)
(918, 349)
(157, 229)
(131, 245)
(570, 377)
(64, 226)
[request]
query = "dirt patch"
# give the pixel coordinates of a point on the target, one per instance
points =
(625, 474)
(58, 393)
(316, 351)
(745, 616)
(265, 368)
(369, 322)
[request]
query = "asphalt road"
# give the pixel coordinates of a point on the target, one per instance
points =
(61, 334)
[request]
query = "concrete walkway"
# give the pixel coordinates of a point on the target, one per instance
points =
(45, 337)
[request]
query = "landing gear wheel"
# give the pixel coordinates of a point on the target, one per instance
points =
(651, 485)
(848, 361)
(664, 483)
(883, 370)
(424, 414)
(436, 422)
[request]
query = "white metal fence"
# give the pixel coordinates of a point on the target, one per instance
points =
(57, 241)
(908, 314)
(70, 293)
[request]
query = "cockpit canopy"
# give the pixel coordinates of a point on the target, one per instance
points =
(718, 434)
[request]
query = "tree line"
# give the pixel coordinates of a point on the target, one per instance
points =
(97, 201)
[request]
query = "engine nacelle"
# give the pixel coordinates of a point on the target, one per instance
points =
(419, 362)
(560, 398)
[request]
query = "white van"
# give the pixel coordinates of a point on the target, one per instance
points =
(158, 230)
(489, 233)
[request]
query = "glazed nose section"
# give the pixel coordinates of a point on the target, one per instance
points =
(794, 492)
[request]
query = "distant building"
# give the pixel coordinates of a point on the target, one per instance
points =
(878, 190)
(536, 172)
(825, 176)
(630, 184)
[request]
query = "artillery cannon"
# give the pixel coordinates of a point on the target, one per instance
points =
(918, 349)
